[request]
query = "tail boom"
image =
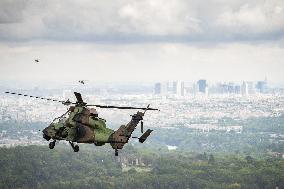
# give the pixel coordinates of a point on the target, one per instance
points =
(122, 135)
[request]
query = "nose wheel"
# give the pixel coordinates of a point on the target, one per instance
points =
(52, 144)
(74, 147)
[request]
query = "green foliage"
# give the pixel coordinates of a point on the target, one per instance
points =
(39, 167)
(259, 136)
(211, 159)
(265, 124)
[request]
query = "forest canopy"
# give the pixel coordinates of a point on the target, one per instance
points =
(39, 167)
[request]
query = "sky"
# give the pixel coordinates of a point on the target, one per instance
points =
(141, 41)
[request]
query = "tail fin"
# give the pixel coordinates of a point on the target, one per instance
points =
(122, 135)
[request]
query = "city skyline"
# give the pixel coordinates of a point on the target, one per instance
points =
(30, 84)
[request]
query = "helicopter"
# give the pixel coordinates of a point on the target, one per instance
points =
(82, 81)
(81, 124)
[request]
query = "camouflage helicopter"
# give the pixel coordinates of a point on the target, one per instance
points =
(81, 124)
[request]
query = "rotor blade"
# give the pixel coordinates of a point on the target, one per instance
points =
(42, 98)
(79, 97)
(122, 107)
(146, 109)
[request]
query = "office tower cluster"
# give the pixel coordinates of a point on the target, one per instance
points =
(161, 88)
(176, 88)
(201, 87)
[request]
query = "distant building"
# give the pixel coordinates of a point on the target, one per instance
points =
(261, 86)
(161, 88)
(206, 91)
(237, 89)
(158, 88)
(245, 89)
(183, 91)
(229, 88)
(195, 89)
(202, 85)
(178, 88)
(251, 87)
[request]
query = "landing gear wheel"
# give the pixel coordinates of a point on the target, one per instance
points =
(116, 152)
(76, 148)
(51, 145)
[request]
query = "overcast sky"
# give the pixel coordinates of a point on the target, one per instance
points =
(142, 40)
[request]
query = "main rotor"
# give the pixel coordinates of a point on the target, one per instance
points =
(80, 102)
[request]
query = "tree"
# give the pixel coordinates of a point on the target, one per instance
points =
(211, 159)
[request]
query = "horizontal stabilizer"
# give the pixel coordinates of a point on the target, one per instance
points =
(145, 135)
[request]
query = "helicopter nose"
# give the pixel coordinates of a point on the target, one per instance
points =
(45, 135)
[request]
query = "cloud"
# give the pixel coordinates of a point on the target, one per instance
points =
(11, 12)
(250, 19)
(140, 21)
(158, 18)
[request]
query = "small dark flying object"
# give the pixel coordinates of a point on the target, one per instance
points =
(37, 60)
(82, 81)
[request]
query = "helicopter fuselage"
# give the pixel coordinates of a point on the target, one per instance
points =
(80, 127)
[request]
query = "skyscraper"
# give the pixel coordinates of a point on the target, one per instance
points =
(161, 88)
(202, 85)
(183, 92)
(178, 88)
(245, 89)
(237, 89)
(261, 86)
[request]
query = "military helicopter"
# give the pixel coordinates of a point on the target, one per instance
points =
(81, 124)
(82, 81)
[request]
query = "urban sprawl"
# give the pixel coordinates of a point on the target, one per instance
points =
(197, 105)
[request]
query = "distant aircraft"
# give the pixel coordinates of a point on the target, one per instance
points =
(36, 60)
(82, 81)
